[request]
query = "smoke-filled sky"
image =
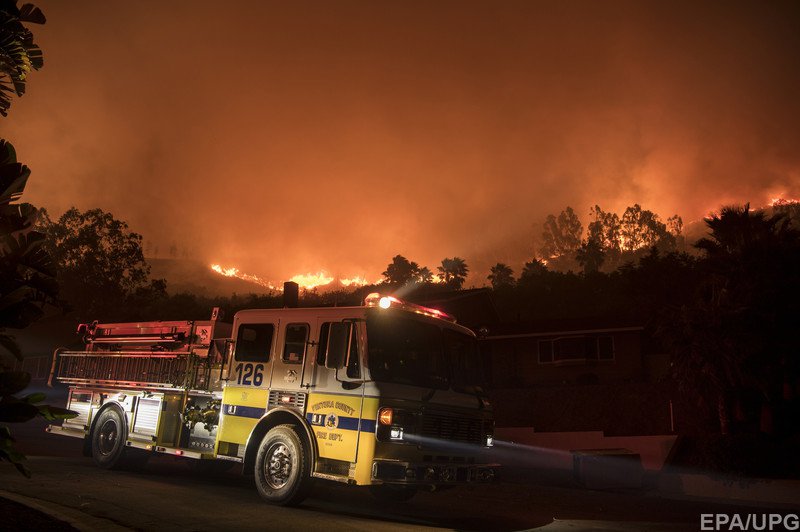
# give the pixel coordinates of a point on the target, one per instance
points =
(290, 137)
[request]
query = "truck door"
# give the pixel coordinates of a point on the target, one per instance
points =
(336, 401)
(292, 368)
(246, 393)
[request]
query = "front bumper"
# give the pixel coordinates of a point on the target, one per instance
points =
(426, 473)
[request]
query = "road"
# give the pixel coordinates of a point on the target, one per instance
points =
(168, 495)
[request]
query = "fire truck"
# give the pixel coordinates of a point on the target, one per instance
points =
(384, 395)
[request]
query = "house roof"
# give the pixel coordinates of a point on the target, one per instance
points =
(547, 327)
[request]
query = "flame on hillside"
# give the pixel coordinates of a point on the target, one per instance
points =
(308, 281)
(312, 280)
(779, 202)
(355, 281)
(234, 272)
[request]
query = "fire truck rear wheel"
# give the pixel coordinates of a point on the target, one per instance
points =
(108, 439)
(283, 466)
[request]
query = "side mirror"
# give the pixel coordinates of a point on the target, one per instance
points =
(338, 345)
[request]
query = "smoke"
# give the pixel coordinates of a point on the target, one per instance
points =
(288, 138)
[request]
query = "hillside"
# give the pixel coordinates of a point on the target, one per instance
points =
(193, 276)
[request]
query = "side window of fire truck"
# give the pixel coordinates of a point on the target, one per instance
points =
(322, 347)
(254, 341)
(463, 359)
(353, 364)
(294, 347)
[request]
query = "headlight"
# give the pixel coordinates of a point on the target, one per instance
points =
(394, 425)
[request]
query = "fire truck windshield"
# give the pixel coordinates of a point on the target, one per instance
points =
(409, 351)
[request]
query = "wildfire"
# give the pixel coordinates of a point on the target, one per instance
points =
(355, 281)
(778, 202)
(234, 272)
(308, 281)
(312, 280)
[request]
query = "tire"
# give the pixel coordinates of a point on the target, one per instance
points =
(283, 467)
(393, 492)
(108, 439)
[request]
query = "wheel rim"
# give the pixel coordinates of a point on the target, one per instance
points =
(107, 437)
(278, 465)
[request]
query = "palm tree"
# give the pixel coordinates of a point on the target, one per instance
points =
(453, 272)
(18, 53)
(738, 331)
(501, 276)
(400, 271)
(425, 275)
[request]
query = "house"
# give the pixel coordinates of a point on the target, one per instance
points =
(576, 351)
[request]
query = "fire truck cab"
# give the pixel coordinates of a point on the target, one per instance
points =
(384, 395)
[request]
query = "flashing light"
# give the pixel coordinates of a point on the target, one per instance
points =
(385, 302)
(385, 416)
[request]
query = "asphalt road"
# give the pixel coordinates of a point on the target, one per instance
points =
(168, 495)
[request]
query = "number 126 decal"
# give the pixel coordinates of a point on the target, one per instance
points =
(250, 374)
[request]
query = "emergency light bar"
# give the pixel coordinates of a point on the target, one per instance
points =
(376, 300)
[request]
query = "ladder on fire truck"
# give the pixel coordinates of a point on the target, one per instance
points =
(157, 355)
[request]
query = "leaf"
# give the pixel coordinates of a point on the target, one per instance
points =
(17, 412)
(12, 382)
(31, 13)
(54, 413)
(34, 398)
(11, 345)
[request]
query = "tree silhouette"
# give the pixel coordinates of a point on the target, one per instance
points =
(453, 272)
(532, 269)
(100, 262)
(424, 275)
(738, 332)
(590, 256)
(18, 53)
(642, 228)
(501, 276)
(401, 271)
(605, 230)
(562, 235)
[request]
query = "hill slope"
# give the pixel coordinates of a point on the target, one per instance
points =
(196, 277)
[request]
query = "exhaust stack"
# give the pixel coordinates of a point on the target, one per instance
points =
(291, 294)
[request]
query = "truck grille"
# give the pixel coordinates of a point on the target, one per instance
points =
(452, 428)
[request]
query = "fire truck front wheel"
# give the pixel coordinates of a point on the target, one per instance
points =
(108, 439)
(283, 466)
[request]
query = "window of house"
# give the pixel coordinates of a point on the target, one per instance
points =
(605, 348)
(565, 349)
(545, 351)
(294, 346)
(254, 342)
